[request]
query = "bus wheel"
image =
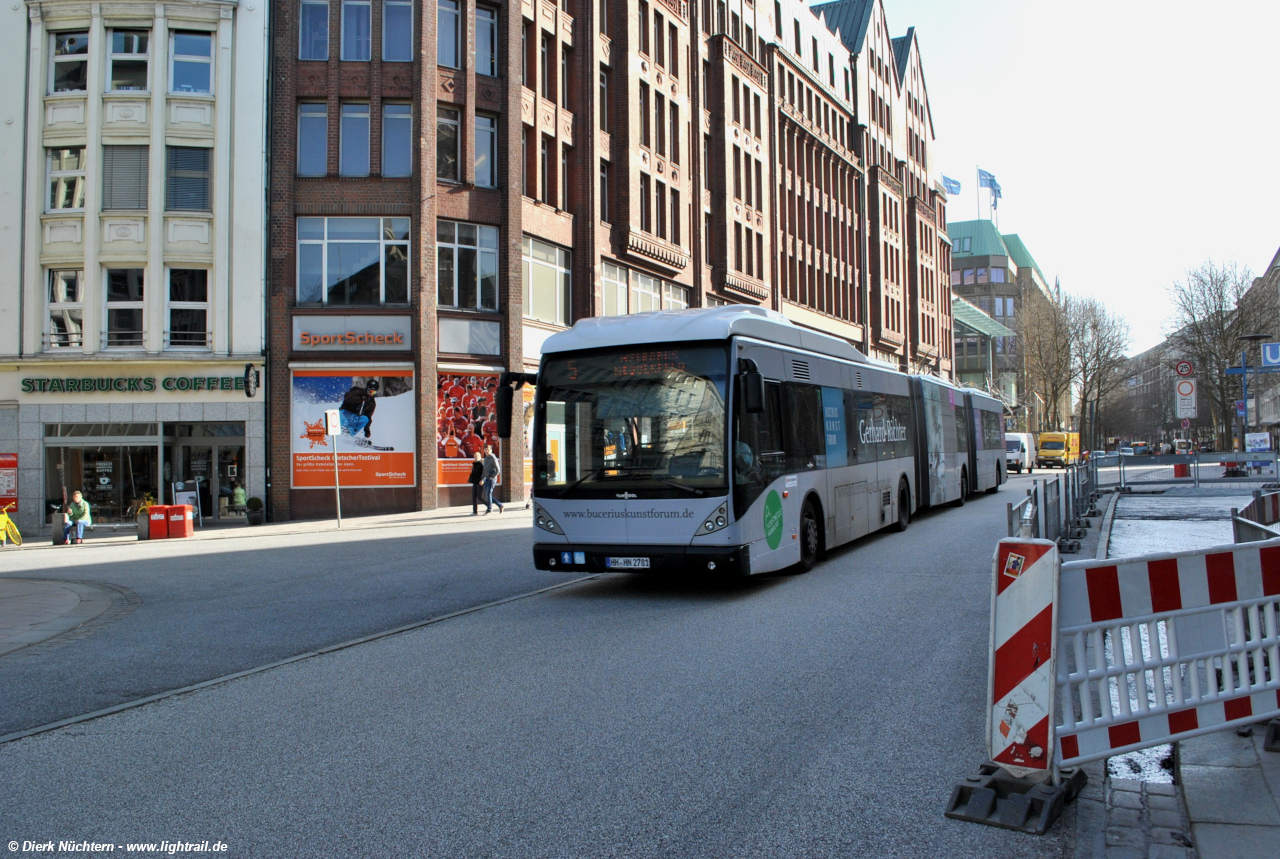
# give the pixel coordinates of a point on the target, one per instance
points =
(964, 489)
(904, 508)
(1001, 477)
(810, 537)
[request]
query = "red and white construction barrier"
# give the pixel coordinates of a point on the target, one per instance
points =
(1164, 647)
(1020, 683)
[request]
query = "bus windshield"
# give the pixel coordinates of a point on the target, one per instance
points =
(639, 422)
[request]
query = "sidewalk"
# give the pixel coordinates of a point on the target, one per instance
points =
(1224, 802)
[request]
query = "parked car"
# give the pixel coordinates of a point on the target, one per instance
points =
(1126, 451)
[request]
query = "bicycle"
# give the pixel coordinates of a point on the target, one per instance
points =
(9, 532)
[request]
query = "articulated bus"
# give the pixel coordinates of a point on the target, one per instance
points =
(730, 440)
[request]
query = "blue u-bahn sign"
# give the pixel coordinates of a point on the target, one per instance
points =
(1271, 354)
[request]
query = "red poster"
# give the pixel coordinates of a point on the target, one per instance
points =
(466, 421)
(9, 480)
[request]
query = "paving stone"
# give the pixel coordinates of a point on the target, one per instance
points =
(1169, 835)
(1219, 749)
(1158, 789)
(1130, 784)
(1125, 852)
(1124, 799)
(1125, 838)
(1162, 803)
(1169, 851)
(1167, 819)
(1228, 795)
(1126, 817)
(1216, 841)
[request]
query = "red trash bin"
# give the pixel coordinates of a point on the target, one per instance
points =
(181, 521)
(158, 521)
(1182, 469)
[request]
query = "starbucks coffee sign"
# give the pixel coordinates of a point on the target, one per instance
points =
(129, 384)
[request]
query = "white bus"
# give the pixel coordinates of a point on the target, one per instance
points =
(728, 439)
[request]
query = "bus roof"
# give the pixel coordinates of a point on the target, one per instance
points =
(708, 323)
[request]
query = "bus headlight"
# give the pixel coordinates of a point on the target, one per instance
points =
(544, 521)
(716, 521)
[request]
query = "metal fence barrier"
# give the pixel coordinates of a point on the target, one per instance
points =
(1024, 520)
(1252, 523)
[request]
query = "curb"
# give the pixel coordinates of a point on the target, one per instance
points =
(1104, 528)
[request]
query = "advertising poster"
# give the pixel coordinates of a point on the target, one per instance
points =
(9, 481)
(378, 415)
(466, 421)
(530, 392)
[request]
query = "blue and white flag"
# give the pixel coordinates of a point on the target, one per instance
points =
(987, 180)
(951, 186)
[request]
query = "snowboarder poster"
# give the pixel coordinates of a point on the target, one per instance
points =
(377, 416)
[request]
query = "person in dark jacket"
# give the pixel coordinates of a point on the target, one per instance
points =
(490, 477)
(476, 479)
(356, 411)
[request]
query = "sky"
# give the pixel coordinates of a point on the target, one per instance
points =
(1132, 140)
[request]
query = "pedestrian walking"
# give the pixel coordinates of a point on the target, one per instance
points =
(76, 519)
(476, 479)
(490, 477)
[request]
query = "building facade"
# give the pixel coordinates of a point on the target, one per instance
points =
(132, 226)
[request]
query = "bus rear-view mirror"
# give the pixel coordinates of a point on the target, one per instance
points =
(503, 398)
(753, 393)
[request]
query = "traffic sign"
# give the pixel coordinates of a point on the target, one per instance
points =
(1271, 354)
(1185, 398)
(1184, 368)
(1239, 408)
(1186, 424)
(332, 426)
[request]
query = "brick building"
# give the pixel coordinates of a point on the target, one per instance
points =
(452, 185)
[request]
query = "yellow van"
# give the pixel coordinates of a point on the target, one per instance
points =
(1058, 448)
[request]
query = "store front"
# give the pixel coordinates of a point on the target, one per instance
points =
(124, 441)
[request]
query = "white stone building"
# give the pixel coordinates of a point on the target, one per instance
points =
(132, 217)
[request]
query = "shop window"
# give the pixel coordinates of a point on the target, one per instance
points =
(192, 69)
(313, 139)
(448, 27)
(116, 479)
(66, 309)
(353, 158)
(129, 60)
(357, 23)
(188, 309)
(615, 290)
(397, 139)
(187, 180)
(674, 297)
(313, 30)
(486, 41)
(546, 278)
(486, 151)
(125, 309)
(70, 72)
(646, 293)
(353, 261)
(66, 178)
(447, 143)
(397, 31)
(466, 266)
(124, 177)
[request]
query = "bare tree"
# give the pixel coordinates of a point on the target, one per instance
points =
(1098, 340)
(1211, 311)
(1044, 336)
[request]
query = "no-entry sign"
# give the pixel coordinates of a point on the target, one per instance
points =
(1185, 391)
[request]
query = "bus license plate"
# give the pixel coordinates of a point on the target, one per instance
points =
(627, 563)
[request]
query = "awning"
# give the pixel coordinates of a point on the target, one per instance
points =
(971, 321)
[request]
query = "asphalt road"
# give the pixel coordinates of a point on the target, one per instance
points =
(819, 715)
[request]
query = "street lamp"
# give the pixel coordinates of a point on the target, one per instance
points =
(1244, 378)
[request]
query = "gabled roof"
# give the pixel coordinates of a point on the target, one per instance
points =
(986, 240)
(967, 316)
(851, 18)
(902, 52)
(1018, 251)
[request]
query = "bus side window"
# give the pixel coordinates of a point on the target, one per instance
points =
(806, 444)
(758, 447)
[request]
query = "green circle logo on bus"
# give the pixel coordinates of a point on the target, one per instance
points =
(773, 520)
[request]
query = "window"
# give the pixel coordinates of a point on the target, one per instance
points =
(604, 99)
(486, 41)
(397, 139)
(564, 77)
(660, 123)
(968, 276)
(737, 247)
(659, 37)
(124, 307)
(673, 52)
(486, 151)
(544, 68)
(644, 203)
(604, 17)
(129, 50)
(188, 309)
(999, 305)
(675, 216)
(186, 180)
(564, 177)
(997, 275)
(737, 173)
(448, 25)
(660, 207)
(644, 114)
(544, 186)
(737, 108)
(353, 157)
(124, 177)
(353, 261)
(397, 31)
(615, 290)
(192, 62)
(1008, 307)
(984, 304)
(66, 309)
(646, 293)
(357, 16)
(313, 139)
(313, 30)
(759, 129)
(546, 279)
(604, 190)
(675, 133)
(66, 178)
(447, 140)
(674, 297)
(70, 71)
(466, 266)
(982, 275)
(644, 27)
